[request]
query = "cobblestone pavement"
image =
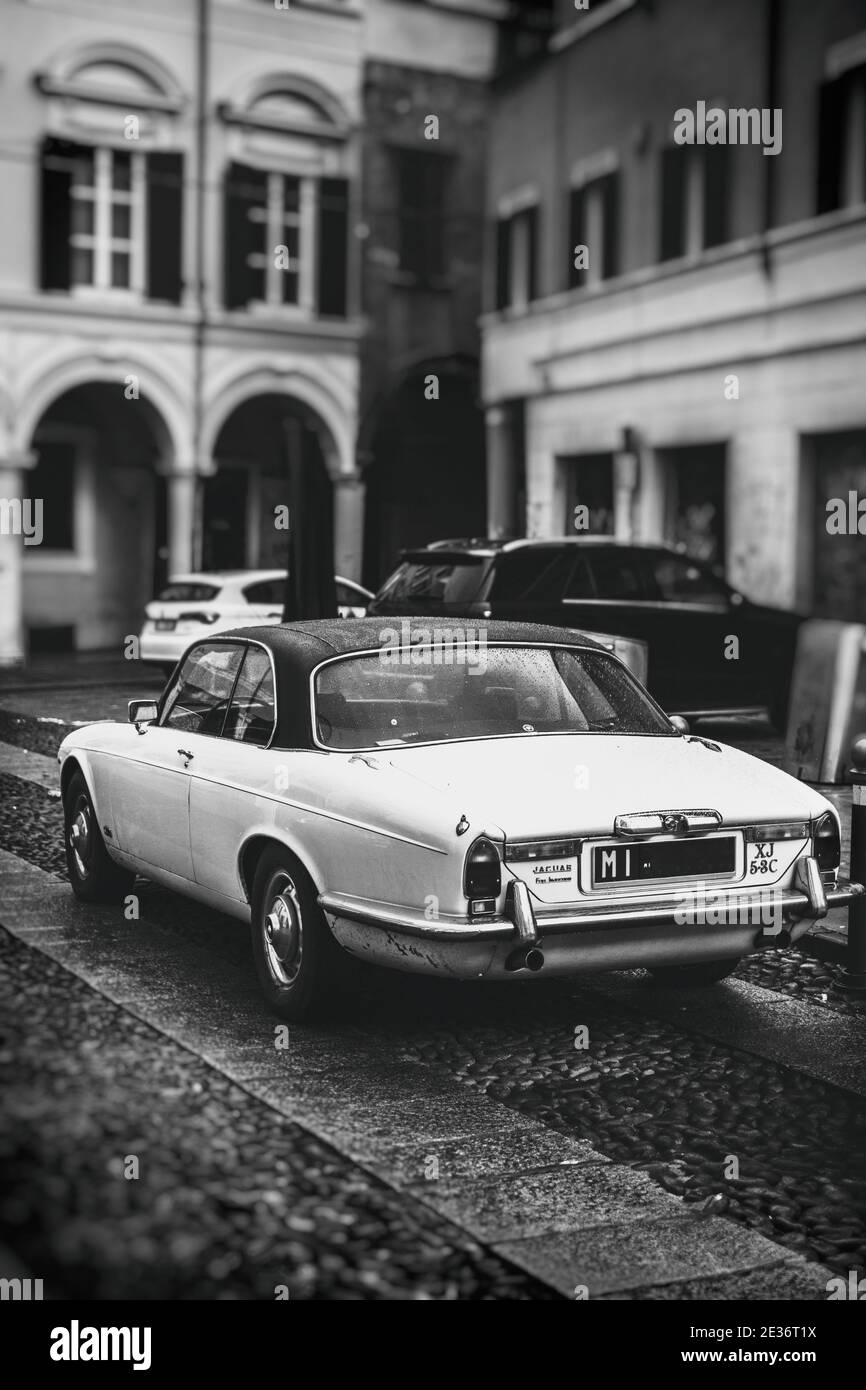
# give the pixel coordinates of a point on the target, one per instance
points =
(231, 1201)
(734, 1116)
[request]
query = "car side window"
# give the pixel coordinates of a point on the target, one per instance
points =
(618, 575)
(580, 585)
(531, 576)
(680, 580)
(198, 699)
(252, 712)
(271, 591)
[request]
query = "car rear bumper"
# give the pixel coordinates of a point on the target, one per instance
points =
(594, 938)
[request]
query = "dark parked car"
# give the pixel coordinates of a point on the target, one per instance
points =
(710, 649)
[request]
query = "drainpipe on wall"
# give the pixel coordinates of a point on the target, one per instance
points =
(202, 55)
(626, 476)
(772, 31)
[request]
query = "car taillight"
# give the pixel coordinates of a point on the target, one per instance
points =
(825, 833)
(198, 617)
(482, 878)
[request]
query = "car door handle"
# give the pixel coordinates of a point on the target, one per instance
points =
(184, 754)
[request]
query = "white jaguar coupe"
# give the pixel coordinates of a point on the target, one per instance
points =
(495, 801)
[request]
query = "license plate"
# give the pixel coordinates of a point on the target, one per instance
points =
(165, 624)
(664, 859)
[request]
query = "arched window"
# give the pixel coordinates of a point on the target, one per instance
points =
(112, 192)
(287, 200)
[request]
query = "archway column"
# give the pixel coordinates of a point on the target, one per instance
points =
(183, 488)
(501, 473)
(13, 467)
(349, 493)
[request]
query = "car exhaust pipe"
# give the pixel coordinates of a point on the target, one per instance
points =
(521, 959)
(527, 955)
(521, 912)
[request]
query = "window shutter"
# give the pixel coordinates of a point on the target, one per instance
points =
(55, 212)
(673, 201)
(503, 262)
(333, 247)
(832, 105)
(531, 215)
(716, 175)
(164, 225)
(576, 235)
(610, 192)
(245, 189)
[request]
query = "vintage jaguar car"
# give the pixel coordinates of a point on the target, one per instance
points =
(493, 801)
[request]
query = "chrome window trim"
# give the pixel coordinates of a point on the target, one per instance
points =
(484, 738)
(245, 643)
(661, 605)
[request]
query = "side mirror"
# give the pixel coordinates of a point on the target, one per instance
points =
(142, 711)
(680, 724)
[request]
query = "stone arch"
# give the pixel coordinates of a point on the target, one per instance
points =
(67, 72)
(333, 415)
(297, 84)
(55, 376)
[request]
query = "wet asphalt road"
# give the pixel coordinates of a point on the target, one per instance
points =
(435, 1141)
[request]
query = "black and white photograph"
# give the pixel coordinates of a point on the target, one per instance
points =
(432, 671)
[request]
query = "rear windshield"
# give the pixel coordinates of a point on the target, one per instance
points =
(449, 581)
(188, 593)
(443, 694)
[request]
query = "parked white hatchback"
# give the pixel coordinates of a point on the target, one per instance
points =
(191, 605)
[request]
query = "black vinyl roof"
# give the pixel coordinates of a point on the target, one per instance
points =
(301, 646)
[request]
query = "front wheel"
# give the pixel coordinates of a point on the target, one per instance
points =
(296, 957)
(94, 876)
(705, 972)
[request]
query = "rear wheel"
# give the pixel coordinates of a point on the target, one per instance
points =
(705, 972)
(94, 876)
(297, 960)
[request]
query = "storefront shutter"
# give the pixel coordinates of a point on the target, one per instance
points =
(576, 235)
(333, 247)
(832, 106)
(245, 189)
(164, 225)
(56, 211)
(674, 171)
(610, 193)
(531, 215)
(503, 262)
(716, 201)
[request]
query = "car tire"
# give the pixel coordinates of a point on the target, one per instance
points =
(94, 876)
(297, 959)
(705, 972)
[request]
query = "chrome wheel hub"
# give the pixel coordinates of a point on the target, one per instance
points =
(81, 839)
(284, 942)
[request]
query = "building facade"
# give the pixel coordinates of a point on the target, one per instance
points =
(674, 343)
(428, 69)
(179, 297)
